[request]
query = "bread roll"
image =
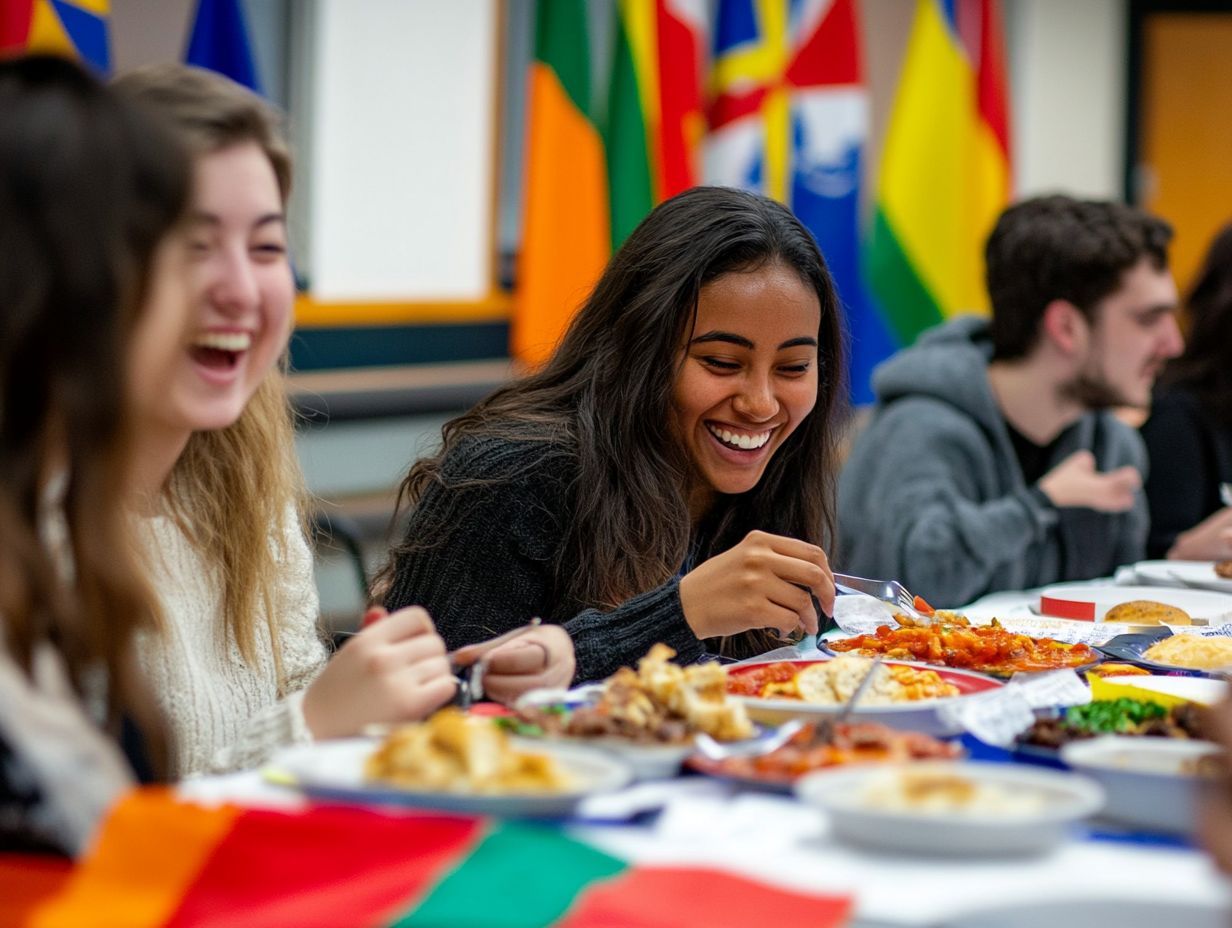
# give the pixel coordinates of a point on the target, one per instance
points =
(1147, 612)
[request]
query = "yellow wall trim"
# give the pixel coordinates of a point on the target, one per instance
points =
(310, 313)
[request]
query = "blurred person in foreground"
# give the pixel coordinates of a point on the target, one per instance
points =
(1189, 433)
(993, 460)
(237, 662)
(668, 475)
(90, 194)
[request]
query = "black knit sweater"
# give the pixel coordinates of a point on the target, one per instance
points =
(488, 537)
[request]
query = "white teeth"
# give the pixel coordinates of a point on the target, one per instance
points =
(224, 341)
(744, 442)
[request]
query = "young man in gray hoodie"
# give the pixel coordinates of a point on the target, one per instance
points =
(992, 460)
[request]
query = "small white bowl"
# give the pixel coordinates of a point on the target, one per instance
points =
(858, 818)
(1143, 778)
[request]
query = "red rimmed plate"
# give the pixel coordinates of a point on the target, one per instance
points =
(918, 715)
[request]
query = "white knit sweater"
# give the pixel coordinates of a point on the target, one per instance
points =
(223, 713)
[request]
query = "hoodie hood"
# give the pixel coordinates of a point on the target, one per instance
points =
(948, 363)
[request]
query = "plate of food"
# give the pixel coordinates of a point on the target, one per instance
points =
(1133, 605)
(1201, 575)
(901, 695)
(648, 716)
(1164, 651)
(1151, 783)
(452, 762)
(988, 648)
(825, 745)
(1122, 716)
(957, 808)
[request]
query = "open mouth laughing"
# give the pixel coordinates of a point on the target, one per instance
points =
(220, 351)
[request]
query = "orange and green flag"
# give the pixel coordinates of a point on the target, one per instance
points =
(159, 863)
(74, 28)
(565, 233)
(945, 168)
(590, 181)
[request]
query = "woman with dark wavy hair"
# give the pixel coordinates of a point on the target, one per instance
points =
(89, 192)
(1189, 432)
(668, 475)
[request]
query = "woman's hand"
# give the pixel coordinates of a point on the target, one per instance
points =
(763, 582)
(541, 657)
(394, 670)
(1209, 540)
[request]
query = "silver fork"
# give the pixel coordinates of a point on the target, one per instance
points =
(888, 591)
(767, 741)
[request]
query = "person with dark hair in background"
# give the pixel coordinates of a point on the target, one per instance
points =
(993, 460)
(1189, 433)
(91, 192)
(668, 475)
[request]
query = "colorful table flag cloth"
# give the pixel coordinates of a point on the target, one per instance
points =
(160, 862)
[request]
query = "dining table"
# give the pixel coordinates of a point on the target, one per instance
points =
(249, 848)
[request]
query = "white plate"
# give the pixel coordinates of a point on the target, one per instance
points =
(841, 793)
(1200, 604)
(333, 770)
(1142, 779)
(920, 715)
(1198, 574)
(1085, 912)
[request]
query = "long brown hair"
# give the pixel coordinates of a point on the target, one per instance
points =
(1206, 365)
(88, 189)
(603, 401)
(250, 467)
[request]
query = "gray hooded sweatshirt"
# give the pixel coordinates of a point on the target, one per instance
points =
(933, 495)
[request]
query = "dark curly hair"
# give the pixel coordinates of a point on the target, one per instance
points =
(1058, 247)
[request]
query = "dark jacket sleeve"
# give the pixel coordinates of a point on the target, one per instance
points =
(1182, 486)
(488, 537)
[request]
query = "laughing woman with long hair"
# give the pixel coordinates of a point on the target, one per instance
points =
(668, 475)
(89, 192)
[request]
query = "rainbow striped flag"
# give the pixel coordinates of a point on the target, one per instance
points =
(945, 168)
(74, 28)
(789, 119)
(159, 863)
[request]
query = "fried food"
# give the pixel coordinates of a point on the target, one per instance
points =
(1147, 612)
(831, 683)
(451, 752)
(941, 793)
(1193, 651)
(1224, 569)
(985, 648)
(659, 702)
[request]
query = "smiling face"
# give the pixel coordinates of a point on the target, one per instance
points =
(1135, 332)
(241, 295)
(747, 379)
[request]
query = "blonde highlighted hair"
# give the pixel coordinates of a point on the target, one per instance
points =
(232, 489)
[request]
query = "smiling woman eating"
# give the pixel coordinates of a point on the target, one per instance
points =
(668, 475)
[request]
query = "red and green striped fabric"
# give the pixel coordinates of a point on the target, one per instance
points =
(160, 863)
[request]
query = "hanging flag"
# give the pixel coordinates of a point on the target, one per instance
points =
(945, 168)
(789, 119)
(74, 28)
(159, 863)
(219, 41)
(566, 238)
(655, 121)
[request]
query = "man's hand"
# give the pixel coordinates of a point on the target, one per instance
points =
(1075, 483)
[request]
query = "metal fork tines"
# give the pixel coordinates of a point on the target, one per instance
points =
(888, 591)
